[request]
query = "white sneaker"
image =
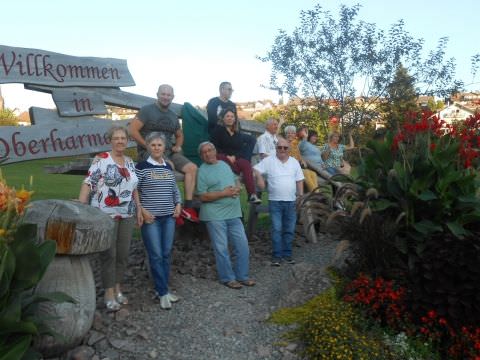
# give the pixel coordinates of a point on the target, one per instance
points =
(254, 199)
(173, 298)
(165, 302)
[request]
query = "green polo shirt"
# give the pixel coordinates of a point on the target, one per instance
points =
(216, 177)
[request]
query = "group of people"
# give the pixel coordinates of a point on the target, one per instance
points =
(146, 192)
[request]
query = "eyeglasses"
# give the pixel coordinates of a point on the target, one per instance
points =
(282, 147)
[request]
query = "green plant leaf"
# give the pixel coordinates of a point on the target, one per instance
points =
(427, 227)
(382, 204)
(7, 269)
(457, 229)
(26, 231)
(12, 327)
(427, 195)
(17, 349)
(32, 261)
(401, 245)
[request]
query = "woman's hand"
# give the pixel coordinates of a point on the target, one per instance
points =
(326, 154)
(231, 158)
(177, 210)
(148, 217)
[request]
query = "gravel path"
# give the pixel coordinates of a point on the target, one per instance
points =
(211, 321)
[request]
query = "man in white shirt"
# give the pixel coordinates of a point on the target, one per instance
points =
(268, 140)
(285, 184)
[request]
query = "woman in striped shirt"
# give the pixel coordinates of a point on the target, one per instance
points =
(161, 204)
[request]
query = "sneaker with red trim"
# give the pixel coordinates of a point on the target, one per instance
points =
(190, 214)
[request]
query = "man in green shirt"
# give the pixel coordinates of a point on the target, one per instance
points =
(220, 210)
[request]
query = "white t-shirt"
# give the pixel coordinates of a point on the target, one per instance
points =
(266, 143)
(282, 177)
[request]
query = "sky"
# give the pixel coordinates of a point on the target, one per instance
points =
(194, 45)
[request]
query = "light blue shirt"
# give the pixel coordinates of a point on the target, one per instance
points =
(311, 153)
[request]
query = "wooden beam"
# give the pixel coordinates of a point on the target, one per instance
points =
(111, 96)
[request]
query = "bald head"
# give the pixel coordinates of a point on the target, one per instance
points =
(165, 95)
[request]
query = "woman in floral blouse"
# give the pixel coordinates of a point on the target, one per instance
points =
(111, 186)
(332, 152)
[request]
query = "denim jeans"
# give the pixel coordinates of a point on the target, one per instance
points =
(223, 232)
(283, 217)
(158, 240)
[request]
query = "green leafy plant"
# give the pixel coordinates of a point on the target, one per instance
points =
(412, 203)
(23, 263)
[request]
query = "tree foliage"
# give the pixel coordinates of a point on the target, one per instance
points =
(402, 99)
(7, 118)
(343, 58)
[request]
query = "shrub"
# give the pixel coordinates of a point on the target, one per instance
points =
(423, 182)
(22, 265)
(330, 329)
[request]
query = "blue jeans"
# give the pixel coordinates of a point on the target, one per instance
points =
(223, 232)
(283, 217)
(158, 240)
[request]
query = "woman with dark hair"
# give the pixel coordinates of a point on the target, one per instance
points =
(312, 137)
(230, 147)
(111, 186)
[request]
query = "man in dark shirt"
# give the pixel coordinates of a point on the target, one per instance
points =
(219, 103)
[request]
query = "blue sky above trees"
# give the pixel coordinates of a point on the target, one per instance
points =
(195, 45)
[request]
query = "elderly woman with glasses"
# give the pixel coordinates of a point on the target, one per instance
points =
(111, 186)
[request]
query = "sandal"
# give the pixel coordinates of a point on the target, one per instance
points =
(121, 299)
(248, 282)
(233, 284)
(112, 305)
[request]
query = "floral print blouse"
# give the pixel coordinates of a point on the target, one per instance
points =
(112, 186)
(336, 155)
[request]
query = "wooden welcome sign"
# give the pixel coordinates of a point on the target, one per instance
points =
(80, 87)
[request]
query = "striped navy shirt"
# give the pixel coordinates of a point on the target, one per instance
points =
(157, 187)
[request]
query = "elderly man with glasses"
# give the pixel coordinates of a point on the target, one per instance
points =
(221, 212)
(285, 184)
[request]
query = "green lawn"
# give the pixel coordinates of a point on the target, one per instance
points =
(59, 186)
(45, 186)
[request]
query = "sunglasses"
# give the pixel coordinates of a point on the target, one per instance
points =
(282, 147)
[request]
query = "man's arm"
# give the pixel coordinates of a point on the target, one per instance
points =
(300, 188)
(351, 144)
(179, 138)
(135, 126)
(229, 191)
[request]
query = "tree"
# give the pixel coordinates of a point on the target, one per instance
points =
(328, 58)
(401, 98)
(7, 118)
